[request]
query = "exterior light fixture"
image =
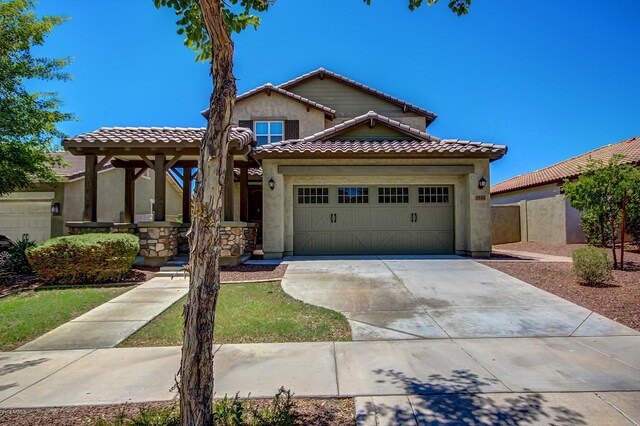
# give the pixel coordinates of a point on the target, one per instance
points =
(272, 184)
(55, 209)
(482, 183)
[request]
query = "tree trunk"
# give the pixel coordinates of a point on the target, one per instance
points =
(613, 241)
(196, 368)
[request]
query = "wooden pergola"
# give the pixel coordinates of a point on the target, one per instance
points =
(162, 150)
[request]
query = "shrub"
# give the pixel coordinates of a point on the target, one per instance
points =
(84, 259)
(16, 259)
(226, 412)
(592, 265)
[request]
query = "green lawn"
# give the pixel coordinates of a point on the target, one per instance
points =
(25, 316)
(251, 313)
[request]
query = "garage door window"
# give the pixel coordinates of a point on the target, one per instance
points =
(433, 195)
(393, 195)
(313, 195)
(353, 195)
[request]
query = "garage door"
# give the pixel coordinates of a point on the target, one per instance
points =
(26, 213)
(373, 220)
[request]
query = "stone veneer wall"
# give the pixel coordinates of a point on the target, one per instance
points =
(158, 241)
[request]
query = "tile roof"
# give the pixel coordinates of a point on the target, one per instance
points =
(252, 171)
(570, 168)
(417, 142)
(145, 136)
(321, 71)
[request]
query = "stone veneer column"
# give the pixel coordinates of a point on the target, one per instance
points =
(158, 241)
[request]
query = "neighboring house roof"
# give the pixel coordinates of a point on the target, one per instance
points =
(417, 142)
(75, 169)
(145, 136)
(323, 72)
(568, 169)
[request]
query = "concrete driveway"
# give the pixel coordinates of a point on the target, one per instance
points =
(386, 297)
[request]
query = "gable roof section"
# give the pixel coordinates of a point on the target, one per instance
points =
(570, 168)
(327, 143)
(270, 87)
(321, 72)
(139, 137)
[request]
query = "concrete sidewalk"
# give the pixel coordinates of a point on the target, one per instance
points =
(327, 369)
(112, 322)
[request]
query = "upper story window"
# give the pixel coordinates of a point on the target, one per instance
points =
(269, 131)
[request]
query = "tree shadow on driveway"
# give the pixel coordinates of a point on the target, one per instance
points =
(458, 400)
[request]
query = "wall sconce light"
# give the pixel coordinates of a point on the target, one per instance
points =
(272, 184)
(55, 209)
(482, 183)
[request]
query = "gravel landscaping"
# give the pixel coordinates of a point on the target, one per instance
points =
(618, 299)
(323, 412)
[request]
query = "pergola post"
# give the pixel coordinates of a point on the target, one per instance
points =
(228, 190)
(244, 194)
(186, 195)
(129, 195)
(160, 188)
(90, 213)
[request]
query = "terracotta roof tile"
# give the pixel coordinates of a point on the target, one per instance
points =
(169, 136)
(417, 142)
(286, 85)
(570, 168)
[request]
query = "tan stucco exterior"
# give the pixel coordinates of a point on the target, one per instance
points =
(70, 195)
(279, 107)
(472, 216)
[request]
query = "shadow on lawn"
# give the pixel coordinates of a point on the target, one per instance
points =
(457, 400)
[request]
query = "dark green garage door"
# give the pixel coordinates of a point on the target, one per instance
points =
(373, 220)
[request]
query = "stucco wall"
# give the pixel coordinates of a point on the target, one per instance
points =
(546, 216)
(505, 224)
(111, 197)
(546, 220)
(278, 107)
(472, 217)
(350, 102)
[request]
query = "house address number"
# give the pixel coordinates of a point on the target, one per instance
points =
(481, 197)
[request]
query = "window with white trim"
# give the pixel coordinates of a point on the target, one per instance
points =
(269, 131)
(313, 195)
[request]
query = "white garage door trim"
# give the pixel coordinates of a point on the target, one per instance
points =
(373, 219)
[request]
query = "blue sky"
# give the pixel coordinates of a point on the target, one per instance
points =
(549, 78)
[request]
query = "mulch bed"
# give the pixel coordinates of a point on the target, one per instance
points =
(252, 272)
(311, 411)
(618, 299)
(11, 283)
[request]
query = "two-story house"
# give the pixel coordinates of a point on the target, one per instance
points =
(335, 168)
